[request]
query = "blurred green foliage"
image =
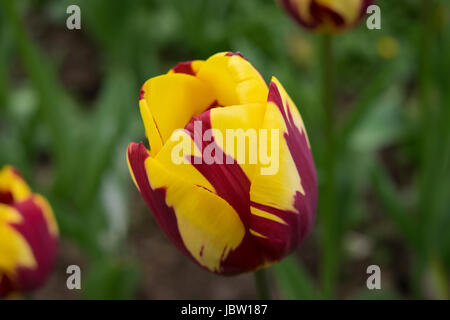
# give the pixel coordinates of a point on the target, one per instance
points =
(392, 125)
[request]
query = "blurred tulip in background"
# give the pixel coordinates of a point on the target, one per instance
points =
(28, 235)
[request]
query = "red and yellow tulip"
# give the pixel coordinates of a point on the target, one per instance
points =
(229, 217)
(328, 16)
(28, 235)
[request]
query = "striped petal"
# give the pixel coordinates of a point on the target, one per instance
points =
(234, 124)
(202, 224)
(283, 205)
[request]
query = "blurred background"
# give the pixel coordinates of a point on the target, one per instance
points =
(69, 109)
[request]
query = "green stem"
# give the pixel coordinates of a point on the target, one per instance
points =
(427, 176)
(327, 60)
(262, 284)
(329, 236)
(432, 177)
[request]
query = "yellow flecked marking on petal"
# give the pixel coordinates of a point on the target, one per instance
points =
(14, 250)
(266, 215)
(47, 211)
(10, 181)
(257, 234)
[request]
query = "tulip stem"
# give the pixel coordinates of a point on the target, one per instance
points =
(329, 232)
(262, 284)
(327, 61)
(430, 139)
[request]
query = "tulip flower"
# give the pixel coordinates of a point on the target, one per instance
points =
(28, 235)
(233, 214)
(328, 16)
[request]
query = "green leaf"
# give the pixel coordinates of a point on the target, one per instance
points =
(383, 124)
(106, 128)
(365, 102)
(294, 281)
(109, 279)
(390, 199)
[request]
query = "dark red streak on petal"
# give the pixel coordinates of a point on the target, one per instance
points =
(155, 199)
(228, 179)
(6, 286)
(282, 238)
(184, 67)
(166, 218)
(232, 184)
(301, 154)
(6, 197)
(214, 104)
(237, 53)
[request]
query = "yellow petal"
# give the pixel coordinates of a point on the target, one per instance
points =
(186, 171)
(208, 225)
(278, 190)
(151, 129)
(168, 102)
(233, 79)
